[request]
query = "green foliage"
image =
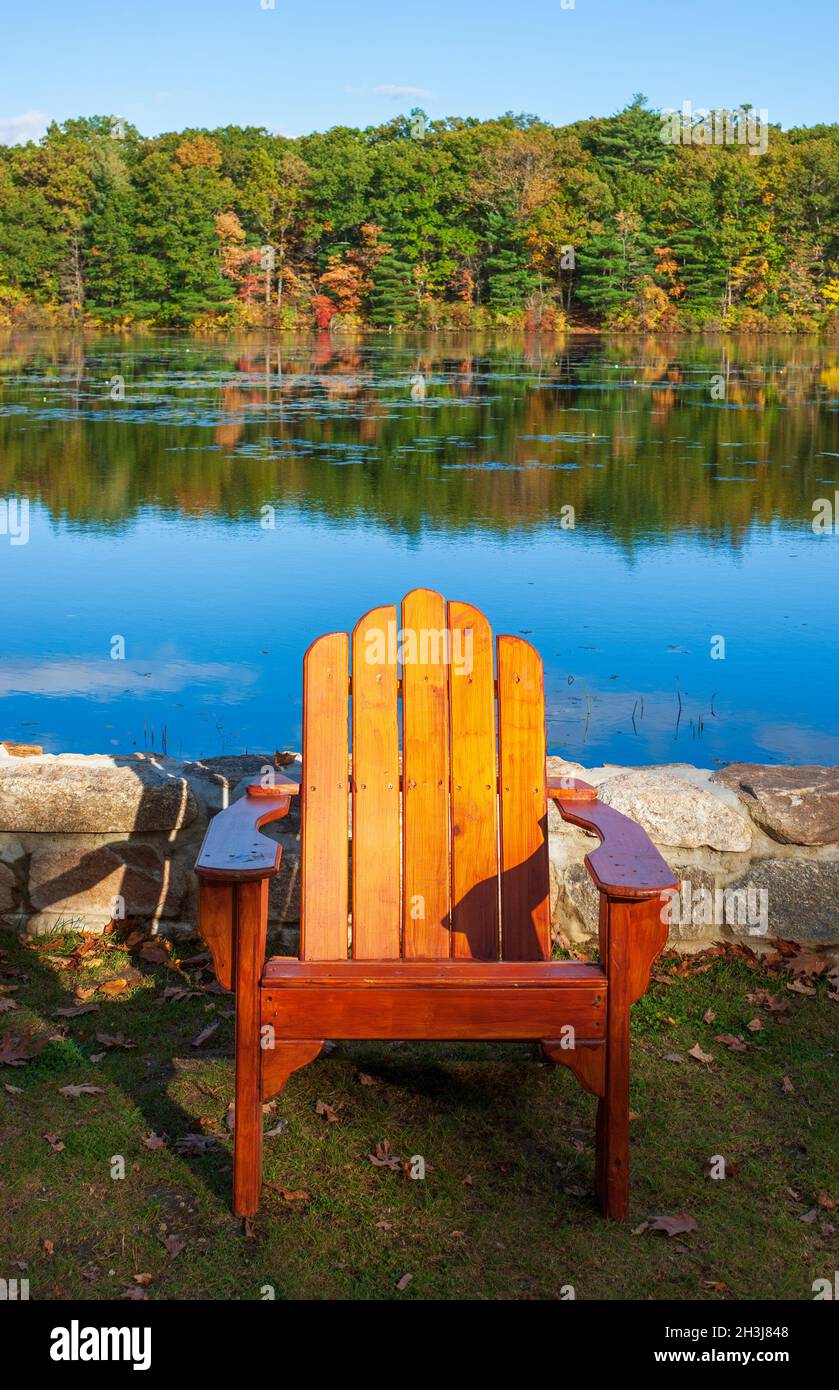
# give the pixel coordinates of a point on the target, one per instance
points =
(447, 222)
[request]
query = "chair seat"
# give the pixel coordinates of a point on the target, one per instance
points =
(433, 999)
(283, 971)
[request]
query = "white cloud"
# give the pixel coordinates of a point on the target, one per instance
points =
(388, 89)
(16, 130)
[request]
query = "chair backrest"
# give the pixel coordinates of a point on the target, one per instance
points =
(449, 853)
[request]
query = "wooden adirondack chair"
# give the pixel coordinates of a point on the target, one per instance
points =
(444, 930)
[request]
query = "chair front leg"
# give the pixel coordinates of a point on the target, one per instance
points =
(632, 932)
(250, 929)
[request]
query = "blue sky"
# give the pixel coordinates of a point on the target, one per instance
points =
(166, 64)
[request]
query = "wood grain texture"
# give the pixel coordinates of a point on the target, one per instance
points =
(525, 904)
(474, 823)
(251, 928)
(427, 1011)
(425, 777)
(233, 849)
(626, 863)
(612, 1134)
(324, 925)
(442, 974)
(586, 1060)
(216, 923)
(279, 1061)
(375, 796)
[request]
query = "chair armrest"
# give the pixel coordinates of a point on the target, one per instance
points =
(626, 864)
(233, 849)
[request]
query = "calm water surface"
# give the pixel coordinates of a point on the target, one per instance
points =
(149, 521)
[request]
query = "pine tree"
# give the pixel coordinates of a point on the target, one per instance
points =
(392, 300)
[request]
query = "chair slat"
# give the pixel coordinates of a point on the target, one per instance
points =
(325, 811)
(425, 776)
(473, 786)
(525, 903)
(375, 766)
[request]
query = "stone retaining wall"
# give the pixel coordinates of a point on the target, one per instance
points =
(84, 839)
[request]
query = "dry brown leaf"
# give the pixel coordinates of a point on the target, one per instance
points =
(809, 1216)
(113, 988)
(74, 1010)
(733, 1044)
(143, 1279)
(383, 1158)
(754, 1026)
(195, 1144)
(174, 1245)
(16, 1050)
(54, 1141)
(404, 1282)
(787, 1086)
(82, 1090)
(708, 1016)
(6, 1005)
(206, 1033)
(678, 1225)
(155, 952)
(797, 987)
(329, 1112)
(289, 1194)
(153, 1141)
(698, 1055)
(114, 1040)
(825, 1200)
(366, 1080)
(13, 1090)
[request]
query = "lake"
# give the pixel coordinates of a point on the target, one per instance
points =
(640, 509)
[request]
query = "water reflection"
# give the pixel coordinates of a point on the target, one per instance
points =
(623, 500)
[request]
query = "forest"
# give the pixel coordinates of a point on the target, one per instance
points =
(449, 224)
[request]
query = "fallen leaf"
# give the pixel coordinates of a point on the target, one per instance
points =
(826, 1201)
(113, 988)
(16, 1051)
(82, 1090)
(289, 1194)
(115, 1040)
(634, 1115)
(195, 1144)
(639, 1230)
(366, 1080)
(809, 1216)
(733, 1044)
(155, 952)
(798, 988)
(153, 1141)
(329, 1112)
(755, 1026)
(48, 1247)
(74, 1010)
(6, 1004)
(174, 1245)
(13, 1090)
(787, 1086)
(54, 1142)
(708, 1016)
(698, 1055)
(673, 1057)
(205, 1033)
(404, 1282)
(713, 1285)
(680, 1224)
(143, 1279)
(277, 1130)
(134, 1295)
(383, 1158)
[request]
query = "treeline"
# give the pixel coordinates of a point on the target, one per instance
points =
(457, 223)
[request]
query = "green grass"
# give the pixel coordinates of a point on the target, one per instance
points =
(506, 1209)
